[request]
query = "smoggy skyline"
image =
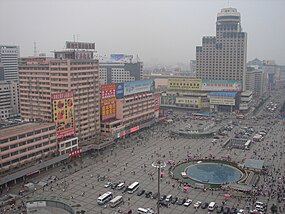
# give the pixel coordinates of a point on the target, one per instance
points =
(160, 32)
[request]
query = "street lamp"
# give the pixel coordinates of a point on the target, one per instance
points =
(158, 164)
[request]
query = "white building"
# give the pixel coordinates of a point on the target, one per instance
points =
(255, 81)
(114, 72)
(223, 57)
(9, 57)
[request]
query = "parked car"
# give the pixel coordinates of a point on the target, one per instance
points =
(219, 209)
(174, 199)
(226, 210)
(148, 194)
(141, 192)
(154, 195)
(233, 210)
(108, 184)
(181, 201)
(204, 205)
(187, 203)
(162, 197)
(164, 203)
(125, 189)
(114, 185)
(197, 204)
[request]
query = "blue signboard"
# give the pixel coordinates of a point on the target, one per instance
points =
(120, 89)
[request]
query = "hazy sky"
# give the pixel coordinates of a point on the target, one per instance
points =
(159, 31)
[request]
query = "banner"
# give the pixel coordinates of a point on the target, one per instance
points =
(108, 108)
(187, 84)
(120, 89)
(108, 91)
(63, 113)
(221, 85)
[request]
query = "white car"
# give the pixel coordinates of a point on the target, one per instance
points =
(241, 211)
(187, 203)
(107, 184)
(197, 204)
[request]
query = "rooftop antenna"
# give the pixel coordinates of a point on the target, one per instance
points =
(35, 49)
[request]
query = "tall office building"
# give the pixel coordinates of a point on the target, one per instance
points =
(42, 77)
(223, 57)
(9, 58)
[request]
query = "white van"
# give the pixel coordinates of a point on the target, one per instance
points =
(121, 186)
(212, 206)
(145, 211)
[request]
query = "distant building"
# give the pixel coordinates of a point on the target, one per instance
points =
(223, 57)
(113, 72)
(193, 66)
(255, 82)
(9, 58)
(9, 100)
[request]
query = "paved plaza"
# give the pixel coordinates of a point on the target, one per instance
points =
(131, 160)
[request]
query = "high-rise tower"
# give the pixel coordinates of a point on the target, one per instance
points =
(9, 58)
(223, 57)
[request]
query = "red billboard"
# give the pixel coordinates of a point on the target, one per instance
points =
(63, 113)
(156, 102)
(108, 91)
(74, 152)
(108, 108)
(133, 129)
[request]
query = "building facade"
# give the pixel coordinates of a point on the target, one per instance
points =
(9, 56)
(41, 77)
(223, 57)
(113, 72)
(255, 82)
(9, 100)
(137, 107)
(24, 143)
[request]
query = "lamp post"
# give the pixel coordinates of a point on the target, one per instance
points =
(159, 164)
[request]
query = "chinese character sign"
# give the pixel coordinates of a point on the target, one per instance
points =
(63, 113)
(108, 91)
(108, 108)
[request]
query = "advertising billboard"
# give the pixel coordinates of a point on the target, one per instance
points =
(187, 84)
(108, 91)
(156, 102)
(135, 128)
(189, 101)
(139, 86)
(120, 89)
(108, 108)
(221, 85)
(117, 57)
(80, 45)
(63, 113)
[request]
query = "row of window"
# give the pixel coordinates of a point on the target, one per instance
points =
(27, 156)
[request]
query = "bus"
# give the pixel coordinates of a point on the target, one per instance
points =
(103, 199)
(116, 201)
(133, 187)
